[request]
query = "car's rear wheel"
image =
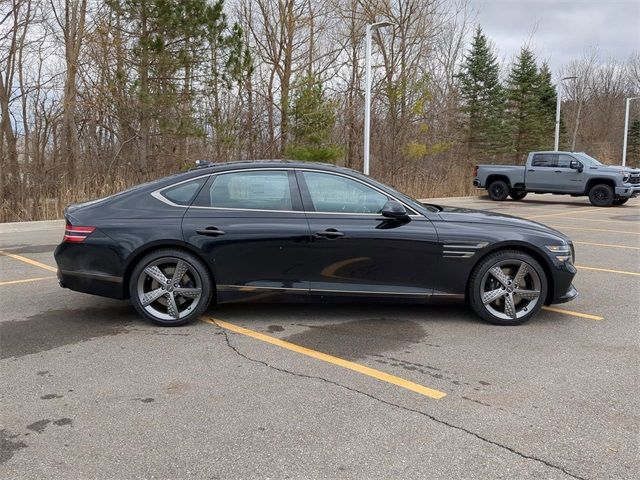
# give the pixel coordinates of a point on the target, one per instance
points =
(507, 288)
(620, 201)
(517, 194)
(601, 195)
(170, 287)
(498, 190)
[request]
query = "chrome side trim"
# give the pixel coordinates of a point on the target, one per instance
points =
(473, 246)
(466, 250)
(370, 292)
(249, 288)
(157, 194)
(450, 254)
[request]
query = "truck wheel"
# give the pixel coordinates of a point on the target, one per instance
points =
(517, 194)
(620, 201)
(498, 190)
(601, 195)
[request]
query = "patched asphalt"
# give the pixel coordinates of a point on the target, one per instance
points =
(89, 390)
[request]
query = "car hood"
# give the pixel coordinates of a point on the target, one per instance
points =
(466, 215)
(614, 169)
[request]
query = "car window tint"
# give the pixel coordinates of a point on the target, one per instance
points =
(544, 160)
(336, 194)
(183, 194)
(267, 190)
(564, 161)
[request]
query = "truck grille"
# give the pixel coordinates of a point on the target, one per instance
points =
(635, 179)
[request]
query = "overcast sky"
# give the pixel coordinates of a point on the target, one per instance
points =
(562, 30)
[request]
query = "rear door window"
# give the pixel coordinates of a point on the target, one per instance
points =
(251, 190)
(544, 160)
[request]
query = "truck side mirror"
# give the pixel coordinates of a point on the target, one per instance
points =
(576, 165)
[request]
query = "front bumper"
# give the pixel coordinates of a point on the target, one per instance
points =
(568, 295)
(563, 290)
(628, 190)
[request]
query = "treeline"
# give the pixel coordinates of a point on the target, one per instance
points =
(96, 95)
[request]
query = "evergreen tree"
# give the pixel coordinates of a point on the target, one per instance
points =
(633, 144)
(547, 98)
(483, 99)
(524, 104)
(312, 120)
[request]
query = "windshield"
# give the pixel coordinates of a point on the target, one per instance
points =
(590, 161)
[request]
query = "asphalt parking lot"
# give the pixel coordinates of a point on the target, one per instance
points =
(89, 390)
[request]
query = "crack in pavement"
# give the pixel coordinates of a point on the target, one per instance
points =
(408, 409)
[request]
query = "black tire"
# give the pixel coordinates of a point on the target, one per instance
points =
(620, 201)
(185, 306)
(601, 195)
(481, 279)
(516, 194)
(498, 190)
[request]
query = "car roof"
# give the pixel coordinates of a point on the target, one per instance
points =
(244, 164)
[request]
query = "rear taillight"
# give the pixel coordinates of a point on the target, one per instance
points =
(475, 171)
(75, 234)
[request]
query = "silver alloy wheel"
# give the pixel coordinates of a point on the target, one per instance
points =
(510, 289)
(169, 288)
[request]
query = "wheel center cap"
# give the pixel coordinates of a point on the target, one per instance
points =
(509, 289)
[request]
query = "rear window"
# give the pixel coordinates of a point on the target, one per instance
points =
(184, 193)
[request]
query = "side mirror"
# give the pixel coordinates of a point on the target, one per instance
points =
(576, 165)
(393, 209)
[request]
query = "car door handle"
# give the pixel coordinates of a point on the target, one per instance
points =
(558, 171)
(211, 232)
(329, 233)
(531, 170)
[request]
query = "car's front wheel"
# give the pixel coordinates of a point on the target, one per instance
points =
(170, 287)
(601, 195)
(507, 288)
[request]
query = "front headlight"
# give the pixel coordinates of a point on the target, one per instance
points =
(626, 177)
(562, 252)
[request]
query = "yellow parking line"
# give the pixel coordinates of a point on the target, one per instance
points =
(593, 229)
(35, 263)
(572, 313)
(623, 272)
(606, 245)
(356, 367)
(12, 282)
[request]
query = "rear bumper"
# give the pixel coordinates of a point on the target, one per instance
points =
(93, 283)
(93, 268)
(476, 182)
(629, 190)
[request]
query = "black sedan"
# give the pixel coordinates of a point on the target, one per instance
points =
(284, 231)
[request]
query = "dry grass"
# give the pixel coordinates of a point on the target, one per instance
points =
(47, 202)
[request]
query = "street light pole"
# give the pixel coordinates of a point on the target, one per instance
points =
(626, 130)
(367, 92)
(558, 103)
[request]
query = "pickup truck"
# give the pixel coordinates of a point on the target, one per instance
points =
(572, 173)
